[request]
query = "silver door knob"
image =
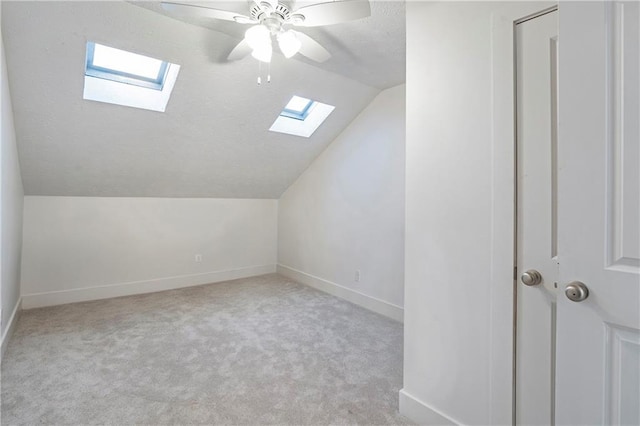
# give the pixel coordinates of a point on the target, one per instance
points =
(531, 277)
(576, 291)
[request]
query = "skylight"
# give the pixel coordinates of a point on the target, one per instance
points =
(297, 108)
(125, 62)
(125, 67)
(125, 78)
(301, 117)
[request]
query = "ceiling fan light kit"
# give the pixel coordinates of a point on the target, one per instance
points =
(289, 43)
(263, 53)
(269, 18)
(258, 38)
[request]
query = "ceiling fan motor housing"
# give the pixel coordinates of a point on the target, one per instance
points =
(262, 11)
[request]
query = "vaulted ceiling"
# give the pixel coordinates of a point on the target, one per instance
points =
(213, 139)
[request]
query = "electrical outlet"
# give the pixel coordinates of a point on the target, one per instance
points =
(198, 258)
(356, 277)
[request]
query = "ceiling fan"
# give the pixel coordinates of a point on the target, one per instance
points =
(270, 19)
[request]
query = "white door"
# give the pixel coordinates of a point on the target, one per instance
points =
(598, 339)
(536, 251)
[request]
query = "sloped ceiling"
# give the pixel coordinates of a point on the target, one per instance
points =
(213, 139)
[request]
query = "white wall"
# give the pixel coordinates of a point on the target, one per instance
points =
(83, 248)
(10, 212)
(346, 212)
(458, 276)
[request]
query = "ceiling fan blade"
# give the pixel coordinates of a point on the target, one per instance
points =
(311, 48)
(205, 12)
(241, 50)
(332, 13)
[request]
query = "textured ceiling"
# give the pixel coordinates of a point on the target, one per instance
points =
(212, 141)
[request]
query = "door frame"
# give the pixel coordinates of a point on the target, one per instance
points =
(503, 217)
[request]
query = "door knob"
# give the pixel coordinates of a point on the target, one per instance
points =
(576, 291)
(531, 277)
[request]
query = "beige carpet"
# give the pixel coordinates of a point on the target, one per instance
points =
(262, 350)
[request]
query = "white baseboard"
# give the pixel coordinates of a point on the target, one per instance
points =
(8, 332)
(38, 300)
(368, 302)
(416, 410)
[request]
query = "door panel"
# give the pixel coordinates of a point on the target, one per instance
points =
(536, 147)
(598, 339)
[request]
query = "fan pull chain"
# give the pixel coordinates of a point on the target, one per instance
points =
(259, 73)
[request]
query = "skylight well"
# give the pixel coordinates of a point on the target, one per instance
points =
(124, 78)
(301, 117)
(297, 108)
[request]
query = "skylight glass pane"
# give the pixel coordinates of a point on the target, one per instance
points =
(298, 104)
(126, 62)
(123, 78)
(302, 123)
